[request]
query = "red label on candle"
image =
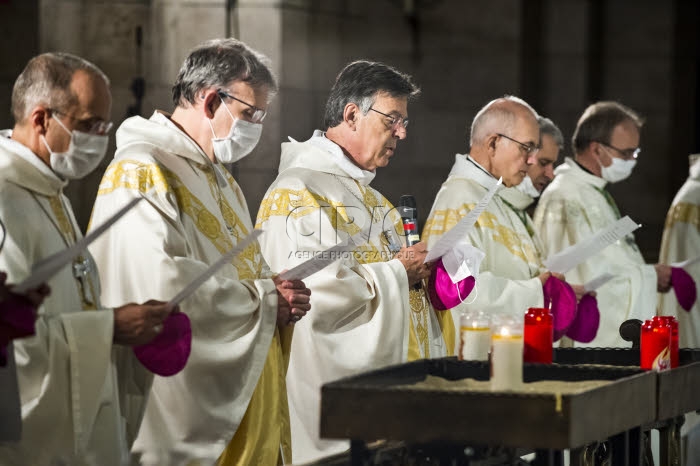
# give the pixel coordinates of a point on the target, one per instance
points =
(655, 345)
(538, 335)
(673, 325)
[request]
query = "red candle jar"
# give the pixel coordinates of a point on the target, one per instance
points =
(655, 344)
(538, 335)
(673, 324)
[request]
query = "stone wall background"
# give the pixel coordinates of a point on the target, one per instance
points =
(560, 55)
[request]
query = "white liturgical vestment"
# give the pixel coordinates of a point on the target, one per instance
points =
(70, 374)
(363, 315)
(574, 207)
(681, 241)
(508, 277)
(193, 213)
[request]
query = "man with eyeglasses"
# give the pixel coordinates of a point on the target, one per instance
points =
(504, 141)
(576, 205)
(228, 406)
(73, 372)
(367, 313)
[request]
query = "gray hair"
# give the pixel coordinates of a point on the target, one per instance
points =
(598, 122)
(46, 81)
(219, 62)
(359, 83)
(547, 126)
(495, 117)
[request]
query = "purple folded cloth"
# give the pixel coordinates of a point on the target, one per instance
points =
(443, 293)
(17, 317)
(562, 304)
(684, 287)
(585, 326)
(167, 354)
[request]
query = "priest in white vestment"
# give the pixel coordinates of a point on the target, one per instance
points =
(504, 141)
(681, 241)
(80, 392)
(229, 404)
(367, 313)
(576, 206)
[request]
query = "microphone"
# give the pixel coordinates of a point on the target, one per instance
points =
(409, 216)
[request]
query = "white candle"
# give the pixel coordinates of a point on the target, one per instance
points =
(475, 336)
(507, 355)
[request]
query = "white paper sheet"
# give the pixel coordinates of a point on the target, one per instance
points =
(208, 273)
(46, 268)
(597, 282)
(323, 259)
(568, 258)
(457, 233)
(686, 263)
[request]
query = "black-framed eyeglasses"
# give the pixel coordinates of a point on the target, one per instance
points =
(626, 154)
(530, 149)
(258, 114)
(92, 125)
(395, 121)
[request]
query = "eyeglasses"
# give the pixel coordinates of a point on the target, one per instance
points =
(395, 121)
(92, 125)
(258, 114)
(626, 154)
(530, 149)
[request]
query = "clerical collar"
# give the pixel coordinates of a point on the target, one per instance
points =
(477, 165)
(364, 177)
(584, 168)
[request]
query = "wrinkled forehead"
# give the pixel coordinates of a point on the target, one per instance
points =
(525, 127)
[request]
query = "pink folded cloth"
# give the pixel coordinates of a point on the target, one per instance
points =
(561, 299)
(684, 287)
(443, 293)
(167, 354)
(17, 317)
(585, 325)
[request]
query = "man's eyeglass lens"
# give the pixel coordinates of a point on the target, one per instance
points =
(89, 125)
(394, 120)
(529, 149)
(258, 113)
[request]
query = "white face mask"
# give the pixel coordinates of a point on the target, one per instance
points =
(618, 171)
(526, 187)
(241, 140)
(84, 154)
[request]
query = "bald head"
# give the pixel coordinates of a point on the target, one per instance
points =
(499, 116)
(504, 137)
